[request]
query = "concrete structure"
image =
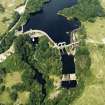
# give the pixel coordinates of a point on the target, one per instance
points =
(61, 45)
(21, 9)
(68, 77)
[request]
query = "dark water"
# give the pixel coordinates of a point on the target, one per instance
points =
(68, 64)
(54, 25)
(69, 84)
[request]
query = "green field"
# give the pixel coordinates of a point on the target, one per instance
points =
(94, 91)
(14, 68)
(96, 30)
(102, 2)
(6, 17)
(5, 98)
(12, 79)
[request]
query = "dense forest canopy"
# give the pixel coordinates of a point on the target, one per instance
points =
(84, 10)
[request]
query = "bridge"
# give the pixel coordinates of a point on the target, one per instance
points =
(61, 45)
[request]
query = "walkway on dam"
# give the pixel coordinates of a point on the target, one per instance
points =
(61, 45)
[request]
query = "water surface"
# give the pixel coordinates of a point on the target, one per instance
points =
(54, 25)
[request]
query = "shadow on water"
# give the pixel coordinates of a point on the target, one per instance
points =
(69, 84)
(68, 68)
(68, 64)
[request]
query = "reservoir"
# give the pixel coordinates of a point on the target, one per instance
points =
(56, 27)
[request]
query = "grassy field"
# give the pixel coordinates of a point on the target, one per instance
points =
(12, 79)
(56, 80)
(23, 97)
(102, 2)
(94, 91)
(96, 30)
(6, 16)
(5, 98)
(14, 68)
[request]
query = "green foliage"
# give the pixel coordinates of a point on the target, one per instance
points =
(85, 10)
(15, 18)
(2, 9)
(6, 41)
(36, 95)
(41, 57)
(18, 87)
(13, 95)
(22, 20)
(28, 57)
(2, 73)
(46, 59)
(28, 78)
(35, 5)
(2, 88)
(26, 47)
(49, 86)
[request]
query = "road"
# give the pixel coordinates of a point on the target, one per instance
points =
(25, 5)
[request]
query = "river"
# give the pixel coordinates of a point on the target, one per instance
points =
(56, 27)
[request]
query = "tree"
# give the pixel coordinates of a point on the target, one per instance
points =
(2, 9)
(35, 5)
(6, 41)
(46, 59)
(2, 88)
(36, 95)
(85, 10)
(13, 95)
(2, 73)
(28, 78)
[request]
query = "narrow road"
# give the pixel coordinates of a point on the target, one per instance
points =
(25, 5)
